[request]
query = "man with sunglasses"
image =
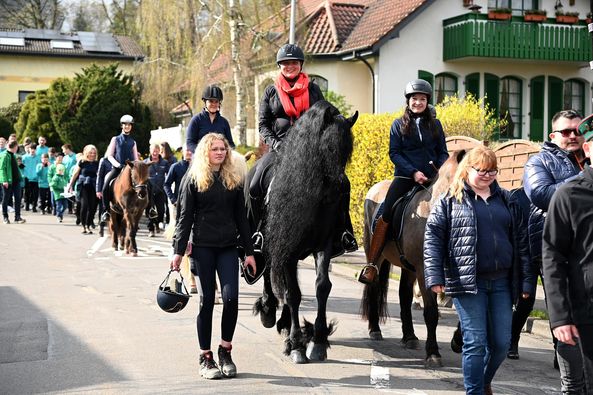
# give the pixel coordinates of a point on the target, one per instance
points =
(560, 160)
(568, 261)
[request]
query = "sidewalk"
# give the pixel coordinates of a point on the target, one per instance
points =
(349, 266)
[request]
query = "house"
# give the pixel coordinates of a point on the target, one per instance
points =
(367, 50)
(30, 59)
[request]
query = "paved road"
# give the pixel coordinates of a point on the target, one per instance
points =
(77, 318)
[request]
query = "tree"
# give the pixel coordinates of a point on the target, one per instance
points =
(339, 101)
(35, 119)
(11, 115)
(87, 108)
(121, 15)
(33, 14)
(235, 32)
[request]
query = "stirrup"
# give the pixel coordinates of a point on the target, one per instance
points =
(368, 274)
(258, 241)
(152, 213)
(349, 242)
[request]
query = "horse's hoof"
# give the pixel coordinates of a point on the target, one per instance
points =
(298, 356)
(411, 344)
(268, 320)
(375, 335)
(456, 347)
(134, 254)
(433, 362)
(316, 352)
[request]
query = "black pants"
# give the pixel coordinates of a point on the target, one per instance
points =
(586, 341)
(205, 263)
(398, 188)
(45, 199)
(13, 190)
(107, 196)
(159, 200)
(264, 165)
(31, 194)
(88, 204)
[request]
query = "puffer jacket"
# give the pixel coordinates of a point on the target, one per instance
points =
(273, 121)
(450, 240)
(544, 173)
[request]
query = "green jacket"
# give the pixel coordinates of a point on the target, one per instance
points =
(57, 184)
(5, 167)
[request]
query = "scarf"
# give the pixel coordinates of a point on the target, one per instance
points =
(299, 92)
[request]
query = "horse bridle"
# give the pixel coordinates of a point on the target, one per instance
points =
(139, 187)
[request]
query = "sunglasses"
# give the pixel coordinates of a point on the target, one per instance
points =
(482, 172)
(568, 132)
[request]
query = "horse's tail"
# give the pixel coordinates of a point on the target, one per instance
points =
(373, 305)
(278, 280)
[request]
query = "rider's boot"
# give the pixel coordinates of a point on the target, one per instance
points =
(370, 271)
(104, 218)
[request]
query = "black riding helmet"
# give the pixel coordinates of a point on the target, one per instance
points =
(418, 86)
(212, 92)
(172, 300)
(290, 52)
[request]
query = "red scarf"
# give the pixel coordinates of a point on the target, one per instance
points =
(299, 92)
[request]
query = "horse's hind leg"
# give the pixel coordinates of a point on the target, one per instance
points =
(296, 341)
(406, 295)
(317, 349)
(266, 304)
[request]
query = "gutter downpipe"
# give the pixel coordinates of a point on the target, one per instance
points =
(373, 77)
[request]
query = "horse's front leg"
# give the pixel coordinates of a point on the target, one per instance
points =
(131, 237)
(266, 304)
(406, 294)
(431, 319)
(317, 348)
(296, 341)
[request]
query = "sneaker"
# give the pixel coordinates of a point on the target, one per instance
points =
(6, 220)
(208, 368)
(227, 366)
(19, 221)
(513, 352)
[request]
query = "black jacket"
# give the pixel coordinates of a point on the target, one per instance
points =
(450, 242)
(215, 217)
(568, 253)
(273, 121)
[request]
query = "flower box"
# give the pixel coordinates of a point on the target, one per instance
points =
(500, 16)
(567, 19)
(535, 18)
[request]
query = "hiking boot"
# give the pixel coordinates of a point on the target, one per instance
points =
(208, 368)
(227, 366)
(19, 221)
(349, 242)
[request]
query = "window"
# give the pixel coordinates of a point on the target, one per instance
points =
(445, 84)
(574, 95)
(510, 107)
(518, 6)
(322, 82)
(23, 95)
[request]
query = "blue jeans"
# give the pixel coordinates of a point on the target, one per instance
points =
(486, 319)
(61, 205)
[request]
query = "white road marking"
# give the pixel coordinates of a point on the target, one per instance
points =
(96, 245)
(379, 376)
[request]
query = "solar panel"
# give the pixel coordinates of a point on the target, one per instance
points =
(45, 34)
(13, 34)
(98, 42)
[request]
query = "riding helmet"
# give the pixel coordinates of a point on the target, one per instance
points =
(290, 52)
(172, 300)
(126, 119)
(418, 86)
(212, 92)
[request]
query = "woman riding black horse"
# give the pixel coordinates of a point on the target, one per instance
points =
(417, 148)
(282, 104)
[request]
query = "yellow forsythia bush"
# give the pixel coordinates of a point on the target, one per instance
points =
(370, 161)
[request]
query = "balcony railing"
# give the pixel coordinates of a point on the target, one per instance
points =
(475, 35)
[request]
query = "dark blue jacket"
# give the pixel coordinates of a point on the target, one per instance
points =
(88, 173)
(200, 125)
(410, 154)
(156, 173)
(104, 167)
(174, 176)
(450, 246)
(124, 144)
(544, 173)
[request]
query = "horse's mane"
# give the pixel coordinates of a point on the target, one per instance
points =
(310, 164)
(445, 175)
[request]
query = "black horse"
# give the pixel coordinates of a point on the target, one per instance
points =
(300, 218)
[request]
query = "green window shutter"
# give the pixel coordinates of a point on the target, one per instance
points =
(491, 88)
(472, 84)
(536, 121)
(555, 98)
(426, 76)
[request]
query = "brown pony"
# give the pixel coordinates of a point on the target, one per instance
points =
(374, 303)
(130, 192)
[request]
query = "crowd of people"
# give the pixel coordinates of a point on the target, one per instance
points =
(484, 246)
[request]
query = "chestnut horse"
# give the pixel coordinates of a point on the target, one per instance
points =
(130, 193)
(374, 302)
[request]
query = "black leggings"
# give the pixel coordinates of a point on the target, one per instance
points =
(205, 263)
(88, 204)
(107, 198)
(398, 188)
